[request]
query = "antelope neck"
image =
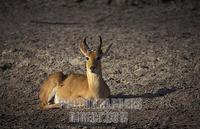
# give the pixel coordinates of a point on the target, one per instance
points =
(94, 80)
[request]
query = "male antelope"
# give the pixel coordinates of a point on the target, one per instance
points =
(61, 89)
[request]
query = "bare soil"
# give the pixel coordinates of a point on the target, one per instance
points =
(155, 57)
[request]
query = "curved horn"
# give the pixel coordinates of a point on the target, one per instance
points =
(100, 42)
(84, 47)
(99, 51)
(85, 44)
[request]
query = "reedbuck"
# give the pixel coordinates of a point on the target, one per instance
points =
(76, 89)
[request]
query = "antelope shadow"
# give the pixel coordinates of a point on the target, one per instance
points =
(159, 93)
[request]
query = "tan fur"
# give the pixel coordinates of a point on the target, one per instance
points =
(48, 85)
(78, 87)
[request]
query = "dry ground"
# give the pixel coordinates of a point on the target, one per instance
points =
(155, 57)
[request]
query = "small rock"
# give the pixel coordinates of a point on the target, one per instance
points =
(6, 66)
(197, 68)
(24, 63)
(75, 61)
(140, 72)
(145, 67)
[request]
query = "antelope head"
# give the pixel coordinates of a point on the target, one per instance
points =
(93, 57)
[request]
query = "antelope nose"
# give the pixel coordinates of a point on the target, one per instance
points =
(92, 68)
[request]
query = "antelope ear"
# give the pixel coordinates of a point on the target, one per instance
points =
(107, 50)
(84, 47)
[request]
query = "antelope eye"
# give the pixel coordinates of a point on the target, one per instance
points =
(98, 58)
(87, 58)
